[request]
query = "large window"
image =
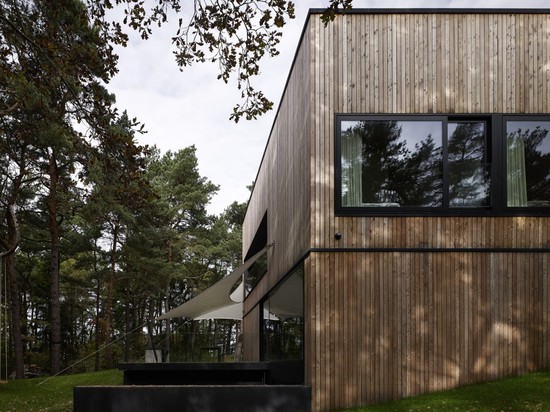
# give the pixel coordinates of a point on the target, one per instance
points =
(283, 320)
(391, 163)
(442, 164)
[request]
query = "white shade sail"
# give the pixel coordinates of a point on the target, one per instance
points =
(217, 302)
(229, 311)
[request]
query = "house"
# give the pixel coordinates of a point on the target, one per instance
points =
(406, 188)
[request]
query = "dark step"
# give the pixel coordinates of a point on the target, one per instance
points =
(240, 373)
(202, 398)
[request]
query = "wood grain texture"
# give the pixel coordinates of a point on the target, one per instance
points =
(282, 191)
(390, 325)
(383, 325)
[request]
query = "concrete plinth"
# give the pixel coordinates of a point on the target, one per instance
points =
(261, 398)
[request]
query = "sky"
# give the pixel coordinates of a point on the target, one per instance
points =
(192, 107)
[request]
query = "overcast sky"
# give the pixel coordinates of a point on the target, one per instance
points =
(192, 107)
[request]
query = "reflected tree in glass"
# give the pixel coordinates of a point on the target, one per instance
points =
(469, 165)
(283, 320)
(528, 163)
(391, 163)
(419, 178)
(382, 149)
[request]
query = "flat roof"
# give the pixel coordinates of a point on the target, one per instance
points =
(437, 11)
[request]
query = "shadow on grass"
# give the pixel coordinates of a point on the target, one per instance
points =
(524, 394)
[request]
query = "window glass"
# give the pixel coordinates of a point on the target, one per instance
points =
(391, 163)
(469, 164)
(283, 320)
(528, 163)
(258, 268)
(255, 273)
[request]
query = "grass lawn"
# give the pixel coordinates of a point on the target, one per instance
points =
(55, 394)
(524, 394)
(527, 393)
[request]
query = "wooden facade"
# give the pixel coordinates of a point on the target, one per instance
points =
(286, 168)
(401, 305)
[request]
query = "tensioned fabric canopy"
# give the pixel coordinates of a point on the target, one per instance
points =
(217, 302)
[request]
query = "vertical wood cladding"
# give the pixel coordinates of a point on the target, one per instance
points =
(386, 324)
(281, 190)
(390, 325)
(419, 64)
(393, 324)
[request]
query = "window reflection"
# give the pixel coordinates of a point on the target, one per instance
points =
(258, 268)
(392, 163)
(255, 273)
(283, 320)
(469, 164)
(528, 163)
(443, 162)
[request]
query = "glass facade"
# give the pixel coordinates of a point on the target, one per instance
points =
(392, 163)
(282, 326)
(409, 164)
(255, 273)
(528, 163)
(469, 164)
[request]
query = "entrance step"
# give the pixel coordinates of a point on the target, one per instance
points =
(193, 398)
(195, 373)
(207, 373)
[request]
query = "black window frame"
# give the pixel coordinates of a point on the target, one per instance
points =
(496, 137)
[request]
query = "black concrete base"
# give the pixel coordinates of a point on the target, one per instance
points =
(247, 373)
(238, 373)
(226, 398)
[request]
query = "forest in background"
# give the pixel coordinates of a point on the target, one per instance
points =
(98, 235)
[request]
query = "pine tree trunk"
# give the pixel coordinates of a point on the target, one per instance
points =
(13, 239)
(168, 331)
(97, 323)
(109, 306)
(15, 312)
(55, 307)
(127, 328)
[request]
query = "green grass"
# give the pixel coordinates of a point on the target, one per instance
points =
(524, 394)
(55, 394)
(527, 393)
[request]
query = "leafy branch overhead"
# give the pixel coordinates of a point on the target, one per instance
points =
(335, 7)
(96, 232)
(235, 34)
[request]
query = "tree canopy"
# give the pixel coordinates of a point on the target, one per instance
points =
(99, 235)
(236, 35)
